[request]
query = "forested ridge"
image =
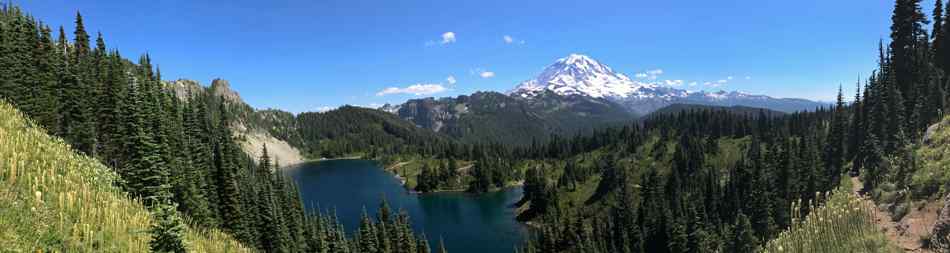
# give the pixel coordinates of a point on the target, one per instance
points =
(178, 156)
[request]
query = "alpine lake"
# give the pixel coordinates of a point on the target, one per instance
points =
(483, 223)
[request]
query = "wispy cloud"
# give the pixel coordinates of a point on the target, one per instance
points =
(748, 78)
(451, 80)
(415, 89)
(652, 74)
(511, 40)
(480, 72)
(447, 38)
(673, 83)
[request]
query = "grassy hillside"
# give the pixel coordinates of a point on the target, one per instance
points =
(55, 200)
(932, 177)
(844, 224)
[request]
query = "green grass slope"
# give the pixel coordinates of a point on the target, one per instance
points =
(933, 176)
(55, 200)
(844, 224)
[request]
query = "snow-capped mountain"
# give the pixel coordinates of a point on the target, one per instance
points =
(581, 75)
(578, 75)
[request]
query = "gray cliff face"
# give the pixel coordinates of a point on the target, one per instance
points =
(252, 128)
(184, 88)
(222, 88)
(429, 113)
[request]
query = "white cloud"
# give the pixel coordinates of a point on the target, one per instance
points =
(673, 83)
(415, 89)
(716, 84)
(511, 40)
(487, 74)
(693, 84)
(730, 77)
(652, 74)
(748, 78)
(371, 106)
(448, 37)
(325, 108)
(451, 80)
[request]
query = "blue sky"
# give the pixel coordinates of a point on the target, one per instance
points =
(301, 55)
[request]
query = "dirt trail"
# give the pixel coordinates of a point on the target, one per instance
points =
(907, 233)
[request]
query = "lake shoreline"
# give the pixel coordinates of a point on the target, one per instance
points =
(391, 168)
(352, 187)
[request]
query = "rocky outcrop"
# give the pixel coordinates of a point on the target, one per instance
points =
(280, 151)
(252, 127)
(184, 88)
(222, 88)
(940, 236)
(428, 113)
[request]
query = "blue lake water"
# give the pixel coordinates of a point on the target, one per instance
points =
(482, 223)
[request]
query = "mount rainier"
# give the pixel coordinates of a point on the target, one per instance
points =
(581, 75)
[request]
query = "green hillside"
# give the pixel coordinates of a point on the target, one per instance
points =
(843, 224)
(56, 200)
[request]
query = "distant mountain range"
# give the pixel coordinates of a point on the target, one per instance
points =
(581, 75)
(493, 116)
(575, 94)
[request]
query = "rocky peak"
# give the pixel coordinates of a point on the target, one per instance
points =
(222, 88)
(184, 89)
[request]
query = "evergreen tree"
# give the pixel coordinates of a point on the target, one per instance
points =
(834, 151)
(367, 235)
(937, 31)
(941, 30)
(230, 207)
(80, 40)
(743, 237)
(168, 230)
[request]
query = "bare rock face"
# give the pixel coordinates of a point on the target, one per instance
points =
(222, 88)
(427, 113)
(184, 89)
(940, 237)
